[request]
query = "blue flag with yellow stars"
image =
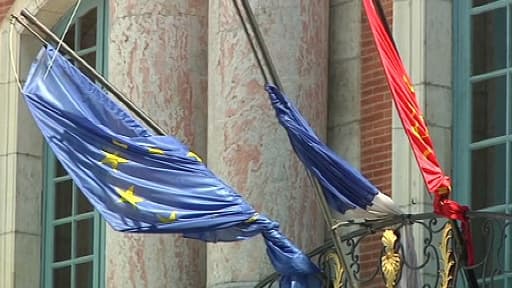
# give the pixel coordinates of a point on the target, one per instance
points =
(140, 182)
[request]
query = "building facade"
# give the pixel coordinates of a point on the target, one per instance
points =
(188, 64)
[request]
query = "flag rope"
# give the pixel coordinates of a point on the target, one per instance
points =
(71, 17)
(11, 55)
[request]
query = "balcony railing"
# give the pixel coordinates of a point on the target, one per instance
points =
(438, 260)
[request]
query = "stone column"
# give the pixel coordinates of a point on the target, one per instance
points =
(423, 33)
(157, 54)
(344, 124)
(246, 145)
(17, 160)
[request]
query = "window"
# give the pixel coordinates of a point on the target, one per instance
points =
(73, 230)
(483, 113)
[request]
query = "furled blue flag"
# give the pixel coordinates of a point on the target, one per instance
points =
(140, 182)
(345, 188)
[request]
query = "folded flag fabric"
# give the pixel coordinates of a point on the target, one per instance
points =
(345, 188)
(141, 182)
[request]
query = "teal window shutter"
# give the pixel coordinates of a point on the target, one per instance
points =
(73, 232)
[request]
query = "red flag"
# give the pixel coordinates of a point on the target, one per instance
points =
(414, 125)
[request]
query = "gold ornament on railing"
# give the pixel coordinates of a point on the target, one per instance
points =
(334, 260)
(390, 261)
(447, 275)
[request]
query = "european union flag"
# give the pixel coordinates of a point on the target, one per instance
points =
(345, 188)
(140, 182)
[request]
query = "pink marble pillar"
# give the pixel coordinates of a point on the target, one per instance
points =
(246, 145)
(158, 57)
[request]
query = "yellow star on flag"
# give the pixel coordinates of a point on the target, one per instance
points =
(194, 155)
(253, 218)
(129, 196)
(173, 217)
(154, 150)
(113, 160)
(120, 144)
(408, 83)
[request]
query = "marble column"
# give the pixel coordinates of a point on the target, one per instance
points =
(246, 145)
(158, 57)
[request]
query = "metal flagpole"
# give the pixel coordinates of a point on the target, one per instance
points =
(259, 42)
(104, 82)
(26, 26)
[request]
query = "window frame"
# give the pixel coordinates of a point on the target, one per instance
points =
(50, 163)
(462, 108)
(463, 144)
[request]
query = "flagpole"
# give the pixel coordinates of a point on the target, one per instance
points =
(261, 43)
(26, 26)
(267, 60)
(88, 68)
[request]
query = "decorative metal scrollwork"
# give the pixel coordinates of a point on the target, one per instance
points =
(437, 252)
(447, 256)
(391, 261)
(334, 261)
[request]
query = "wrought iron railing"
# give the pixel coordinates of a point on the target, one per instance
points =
(439, 255)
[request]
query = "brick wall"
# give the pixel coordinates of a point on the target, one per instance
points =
(5, 5)
(376, 116)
